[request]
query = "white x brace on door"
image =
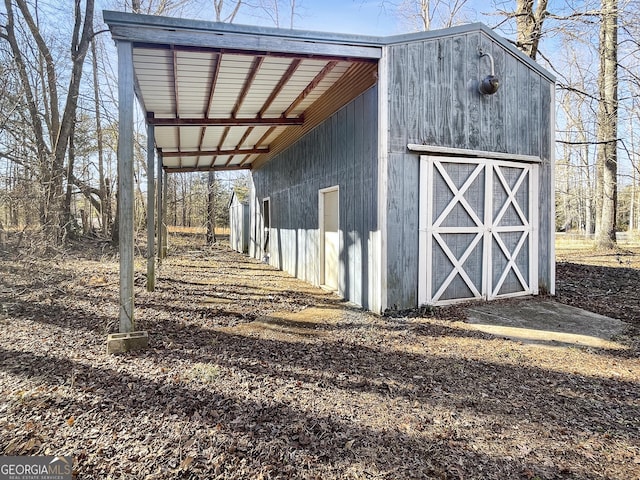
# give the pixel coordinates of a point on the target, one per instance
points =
(477, 223)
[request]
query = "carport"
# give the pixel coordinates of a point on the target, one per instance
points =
(219, 97)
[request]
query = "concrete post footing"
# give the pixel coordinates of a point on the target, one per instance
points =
(127, 342)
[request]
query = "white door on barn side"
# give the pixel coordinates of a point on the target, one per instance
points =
(477, 219)
(329, 214)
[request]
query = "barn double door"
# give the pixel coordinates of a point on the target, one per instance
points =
(477, 224)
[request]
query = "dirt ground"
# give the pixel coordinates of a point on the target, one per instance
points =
(251, 374)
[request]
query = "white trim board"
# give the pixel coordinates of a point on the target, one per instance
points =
(436, 150)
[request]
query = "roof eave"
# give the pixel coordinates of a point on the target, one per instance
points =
(199, 33)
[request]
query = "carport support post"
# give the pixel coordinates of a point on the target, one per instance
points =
(125, 182)
(161, 181)
(151, 254)
(127, 339)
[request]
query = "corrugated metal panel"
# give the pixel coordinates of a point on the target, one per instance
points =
(175, 83)
(341, 150)
(355, 81)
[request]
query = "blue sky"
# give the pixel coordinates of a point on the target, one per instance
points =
(346, 16)
(365, 17)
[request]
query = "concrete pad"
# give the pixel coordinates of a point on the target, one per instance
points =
(546, 322)
(127, 342)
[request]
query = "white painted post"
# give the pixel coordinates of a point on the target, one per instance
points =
(125, 183)
(151, 261)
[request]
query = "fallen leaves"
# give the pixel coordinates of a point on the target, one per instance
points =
(184, 465)
(246, 377)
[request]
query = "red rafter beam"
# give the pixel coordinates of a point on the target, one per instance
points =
(216, 152)
(225, 122)
(309, 88)
(205, 169)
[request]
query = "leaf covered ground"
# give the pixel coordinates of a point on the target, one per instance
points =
(251, 374)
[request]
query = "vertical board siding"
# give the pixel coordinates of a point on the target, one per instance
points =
(402, 229)
(459, 92)
(434, 100)
(428, 131)
(546, 195)
(473, 100)
(340, 151)
(398, 96)
(444, 91)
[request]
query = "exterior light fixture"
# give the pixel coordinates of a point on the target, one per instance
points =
(489, 84)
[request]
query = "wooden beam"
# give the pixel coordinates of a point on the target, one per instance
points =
(151, 261)
(125, 183)
(174, 78)
(223, 138)
(278, 88)
(312, 86)
(243, 162)
(226, 122)
(243, 42)
(258, 143)
(216, 152)
(206, 169)
(463, 152)
(255, 67)
(214, 80)
(160, 204)
(262, 53)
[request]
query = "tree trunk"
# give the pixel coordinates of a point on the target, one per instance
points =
(588, 224)
(211, 210)
(529, 25)
(607, 125)
(105, 200)
(51, 151)
(66, 210)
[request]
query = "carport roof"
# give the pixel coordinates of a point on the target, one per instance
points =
(224, 96)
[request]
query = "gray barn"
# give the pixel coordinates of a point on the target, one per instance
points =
(379, 170)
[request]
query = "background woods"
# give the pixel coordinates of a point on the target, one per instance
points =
(58, 131)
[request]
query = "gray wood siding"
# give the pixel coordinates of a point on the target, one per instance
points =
(433, 100)
(341, 151)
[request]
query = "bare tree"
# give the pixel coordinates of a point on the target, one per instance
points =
(155, 7)
(103, 182)
(53, 136)
(224, 12)
(282, 13)
(607, 126)
(427, 14)
(529, 20)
